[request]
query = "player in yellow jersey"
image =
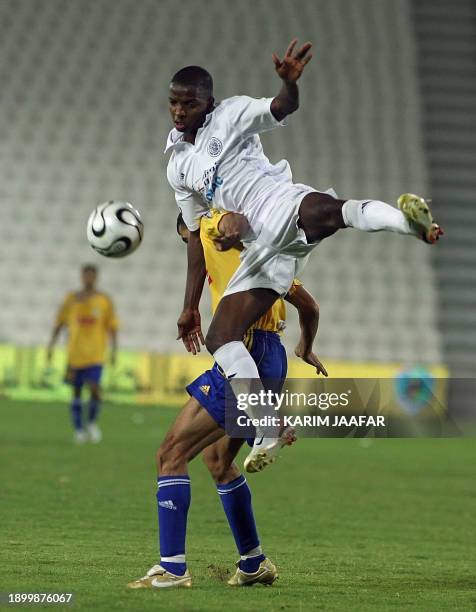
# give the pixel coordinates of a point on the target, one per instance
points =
(200, 426)
(90, 320)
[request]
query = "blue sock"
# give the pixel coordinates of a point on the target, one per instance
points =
(93, 409)
(236, 499)
(173, 502)
(76, 415)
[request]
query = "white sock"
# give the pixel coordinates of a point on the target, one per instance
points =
(374, 216)
(242, 373)
(235, 361)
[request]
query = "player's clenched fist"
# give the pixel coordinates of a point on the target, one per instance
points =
(292, 65)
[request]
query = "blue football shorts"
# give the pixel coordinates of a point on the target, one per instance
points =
(210, 389)
(77, 377)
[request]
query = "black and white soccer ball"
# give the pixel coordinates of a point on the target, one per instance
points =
(115, 229)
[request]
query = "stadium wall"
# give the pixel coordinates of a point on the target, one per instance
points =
(91, 124)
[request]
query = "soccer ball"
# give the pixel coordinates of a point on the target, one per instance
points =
(115, 229)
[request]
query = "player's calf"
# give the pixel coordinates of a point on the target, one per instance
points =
(220, 465)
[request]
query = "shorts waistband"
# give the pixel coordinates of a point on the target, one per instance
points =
(265, 334)
(262, 334)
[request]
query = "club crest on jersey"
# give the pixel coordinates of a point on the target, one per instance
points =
(214, 147)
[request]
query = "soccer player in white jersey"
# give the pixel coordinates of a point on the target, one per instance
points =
(217, 161)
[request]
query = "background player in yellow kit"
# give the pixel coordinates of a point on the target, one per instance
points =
(201, 422)
(89, 317)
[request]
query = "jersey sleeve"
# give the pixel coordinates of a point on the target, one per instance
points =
(190, 204)
(252, 115)
(63, 312)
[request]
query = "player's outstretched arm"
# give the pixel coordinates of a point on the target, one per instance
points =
(189, 323)
(289, 70)
(308, 310)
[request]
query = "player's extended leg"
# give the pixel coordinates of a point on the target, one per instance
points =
(94, 433)
(235, 495)
(235, 314)
(233, 317)
(321, 215)
(192, 431)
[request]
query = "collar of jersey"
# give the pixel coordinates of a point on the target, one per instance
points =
(175, 138)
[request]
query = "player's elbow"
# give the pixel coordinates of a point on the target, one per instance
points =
(280, 109)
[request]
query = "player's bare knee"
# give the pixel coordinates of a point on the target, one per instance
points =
(216, 338)
(320, 216)
(213, 341)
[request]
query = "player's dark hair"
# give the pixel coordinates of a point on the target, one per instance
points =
(180, 223)
(89, 267)
(195, 76)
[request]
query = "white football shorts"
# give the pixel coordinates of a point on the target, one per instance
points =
(279, 253)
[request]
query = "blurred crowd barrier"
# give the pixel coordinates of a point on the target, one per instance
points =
(143, 377)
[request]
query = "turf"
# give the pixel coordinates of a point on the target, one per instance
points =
(383, 526)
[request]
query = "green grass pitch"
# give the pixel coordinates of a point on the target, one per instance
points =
(351, 527)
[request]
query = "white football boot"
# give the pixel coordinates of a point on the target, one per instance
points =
(94, 433)
(158, 577)
(80, 437)
(418, 214)
(266, 450)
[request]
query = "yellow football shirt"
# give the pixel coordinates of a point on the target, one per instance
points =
(221, 265)
(89, 321)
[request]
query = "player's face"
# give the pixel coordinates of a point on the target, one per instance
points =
(188, 108)
(89, 278)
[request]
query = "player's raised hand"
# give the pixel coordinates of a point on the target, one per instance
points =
(310, 358)
(292, 65)
(190, 330)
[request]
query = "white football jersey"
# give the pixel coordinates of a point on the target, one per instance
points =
(226, 167)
